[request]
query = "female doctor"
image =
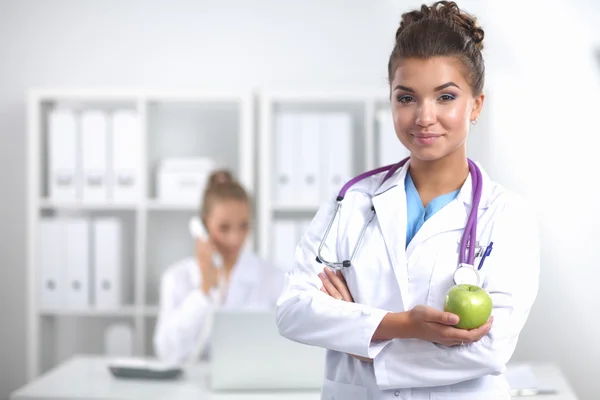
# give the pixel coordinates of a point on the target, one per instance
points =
(400, 234)
(192, 288)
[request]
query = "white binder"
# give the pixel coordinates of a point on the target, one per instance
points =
(391, 150)
(75, 247)
(286, 171)
(94, 155)
(50, 264)
(63, 176)
(107, 239)
(285, 239)
(337, 144)
(309, 159)
(125, 153)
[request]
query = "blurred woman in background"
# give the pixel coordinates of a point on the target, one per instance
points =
(236, 278)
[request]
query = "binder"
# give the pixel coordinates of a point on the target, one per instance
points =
(94, 155)
(286, 168)
(309, 185)
(284, 243)
(107, 265)
(391, 150)
(126, 159)
(75, 247)
(50, 265)
(337, 143)
(63, 177)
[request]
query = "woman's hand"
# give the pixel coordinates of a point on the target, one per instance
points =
(436, 326)
(422, 322)
(204, 257)
(335, 285)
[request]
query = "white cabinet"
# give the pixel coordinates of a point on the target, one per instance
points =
(94, 155)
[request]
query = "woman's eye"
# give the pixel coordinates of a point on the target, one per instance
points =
(404, 99)
(447, 97)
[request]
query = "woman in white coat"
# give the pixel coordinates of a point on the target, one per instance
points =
(381, 318)
(193, 288)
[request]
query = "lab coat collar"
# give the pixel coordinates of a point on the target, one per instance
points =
(465, 194)
(389, 202)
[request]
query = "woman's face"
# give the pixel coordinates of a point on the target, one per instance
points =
(228, 224)
(432, 106)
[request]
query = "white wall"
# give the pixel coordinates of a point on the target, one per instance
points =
(546, 100)
(316, 43)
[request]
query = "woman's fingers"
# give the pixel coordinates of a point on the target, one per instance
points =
(335, 286)
(457, 336)
(340, 283)
(329, 288)
(364, 359)
(474, 335)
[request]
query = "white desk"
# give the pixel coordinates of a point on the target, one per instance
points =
(88, 378)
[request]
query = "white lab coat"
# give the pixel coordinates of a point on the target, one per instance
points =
(184, 309)
(386, 277)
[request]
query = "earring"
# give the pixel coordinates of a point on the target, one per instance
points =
(474, 122)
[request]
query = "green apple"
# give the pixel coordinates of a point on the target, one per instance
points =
(472, 304)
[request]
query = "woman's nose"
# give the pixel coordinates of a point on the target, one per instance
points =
(425, 114)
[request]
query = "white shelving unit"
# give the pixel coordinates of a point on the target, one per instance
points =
(362, 106)
(174, 124)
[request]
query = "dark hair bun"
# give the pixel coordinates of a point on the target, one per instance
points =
(447, 11)
(221, 186)
(220, 177)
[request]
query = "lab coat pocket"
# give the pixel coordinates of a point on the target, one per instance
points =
(442, 277)
(487, 395)
(342, 391)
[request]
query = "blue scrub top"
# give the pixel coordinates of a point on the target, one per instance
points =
(416, 213)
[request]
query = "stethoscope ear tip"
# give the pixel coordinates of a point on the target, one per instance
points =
(346, 263)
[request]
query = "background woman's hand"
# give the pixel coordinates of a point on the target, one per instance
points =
(204, 257)
(436, 326)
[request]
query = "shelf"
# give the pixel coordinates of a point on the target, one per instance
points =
(297, 208)
(123, 94)
(326, 96)
(159, 206)
(126, 311)
(48, 204)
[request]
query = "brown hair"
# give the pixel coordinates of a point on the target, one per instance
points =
(441, 29)
(221, 186)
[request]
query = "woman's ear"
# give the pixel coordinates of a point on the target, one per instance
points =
(477, 106)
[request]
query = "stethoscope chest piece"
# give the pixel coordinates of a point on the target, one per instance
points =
(466, 274)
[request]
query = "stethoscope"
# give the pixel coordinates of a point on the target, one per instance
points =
(465, 272)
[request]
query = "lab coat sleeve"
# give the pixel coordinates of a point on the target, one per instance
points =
(512, 285)
(180, 320)
(309, 316)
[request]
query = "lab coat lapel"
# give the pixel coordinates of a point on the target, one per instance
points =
(390, 207)
(453, 216)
